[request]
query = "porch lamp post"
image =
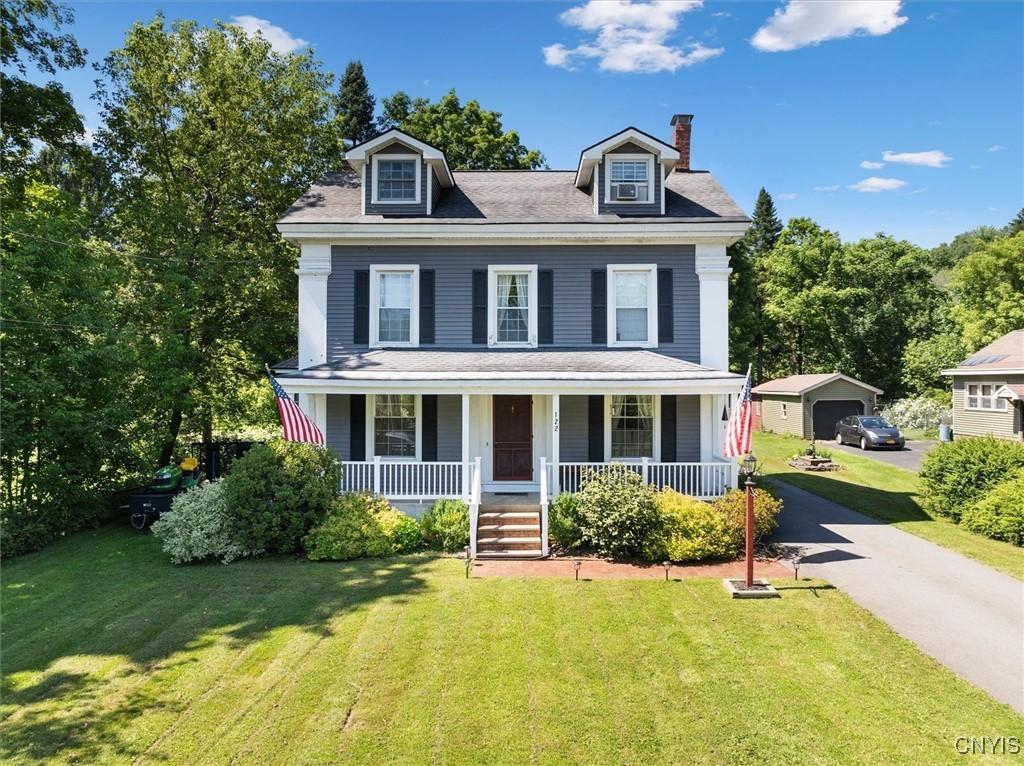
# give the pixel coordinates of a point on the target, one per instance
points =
(749, 464)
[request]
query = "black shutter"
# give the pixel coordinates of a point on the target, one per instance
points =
(545, 306)
(426, 305)
(429, 414)
(479, 306)
(357, 427)
(361, 307)
(668, 429)
(599, 307)
(666, 318)
(595, 428)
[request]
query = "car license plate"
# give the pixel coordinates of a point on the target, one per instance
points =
(890, 441)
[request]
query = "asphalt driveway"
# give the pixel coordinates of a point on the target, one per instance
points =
(964, 614)
(909, 457)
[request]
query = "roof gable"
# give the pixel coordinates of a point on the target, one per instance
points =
(795, 385)
(589, 158)
(358, 155)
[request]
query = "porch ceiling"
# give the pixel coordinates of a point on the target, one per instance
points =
(579, 364)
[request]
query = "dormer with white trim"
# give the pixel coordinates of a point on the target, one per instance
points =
(401, 175)
(625, 173)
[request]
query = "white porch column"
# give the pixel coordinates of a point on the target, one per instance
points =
(555, 451)
(712, 266)
(465, 446)
(314, 268)
(707, 407)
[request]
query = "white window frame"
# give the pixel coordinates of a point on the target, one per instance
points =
(375, 199)
(609, 159)
(994, 400)
(371, 414)
(652, 305)
(655, 437)
(492, 304)
(414, 310)
(783, 414)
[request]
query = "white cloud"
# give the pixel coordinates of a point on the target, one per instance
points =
(875, 184)
(722, 15)
(931, 159)
(872, 165)
(629, 37)
(996, 148)
(829, 188)
(787, 195)
(280, 40)
(809, 22)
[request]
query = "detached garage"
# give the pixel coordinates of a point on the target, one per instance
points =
(811, 405)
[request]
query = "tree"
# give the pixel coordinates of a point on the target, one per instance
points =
(80, 174)
(1016, 226)
(949, 254)
(743, 324)
(988, 291)
(764, 231)
(765, 225)
(34, 112)
(214, 135)
(355, 105)
(472, 138)
(925, 358)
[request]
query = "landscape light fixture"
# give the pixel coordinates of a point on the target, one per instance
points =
(667, 565)
(576, 564)
(469, 562)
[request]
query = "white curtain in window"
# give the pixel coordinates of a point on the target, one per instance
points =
(632, 420)
(631, 306)
(513, 308)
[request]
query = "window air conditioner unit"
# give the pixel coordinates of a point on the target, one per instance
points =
(625, 191)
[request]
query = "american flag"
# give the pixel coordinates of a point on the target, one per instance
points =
(737, 433)
(297, 427)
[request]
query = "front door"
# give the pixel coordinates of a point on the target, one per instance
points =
(513, 438)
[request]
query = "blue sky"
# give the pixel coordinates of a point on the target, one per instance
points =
(789, 95)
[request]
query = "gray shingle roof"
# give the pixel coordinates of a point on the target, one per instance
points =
(800, 384)
(516, 196)
(524, 364)
(1005, 353)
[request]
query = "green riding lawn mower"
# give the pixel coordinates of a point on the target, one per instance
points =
(145, 506)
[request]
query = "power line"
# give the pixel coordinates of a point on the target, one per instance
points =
(97, 328)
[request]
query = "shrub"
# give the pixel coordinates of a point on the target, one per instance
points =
(445, 525)
(956, 474)
(733, 505)
(617, 511)
(564, 521)
(199, 527)
(359, 525)
(999, 513)
(278, 491)
(691, 530)
(920, 413)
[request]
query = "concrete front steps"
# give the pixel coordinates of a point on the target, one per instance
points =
(508, 528)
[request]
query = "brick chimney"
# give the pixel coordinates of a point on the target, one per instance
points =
(681, 124)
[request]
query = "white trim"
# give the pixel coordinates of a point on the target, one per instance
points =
(314, 268)
(667, 154)
(420, 234)
(388, 156)
(357, 155)
(611, 158)
(430, 190)
(510, 386)
(492, 304)
(994, 396)
(414, 310)
(968, 372)
(655, 429)
(652, 305)
(784, 414)
(832, 379)
(1004, 392)
(371, 411)
(362, 190)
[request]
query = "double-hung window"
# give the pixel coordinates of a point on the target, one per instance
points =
(632, 305)
(631, 427)
(394, 310)
(982, 396)
(512, 319)
(395, 426)
(629, 178)
(396, 178)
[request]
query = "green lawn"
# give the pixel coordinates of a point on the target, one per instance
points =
(884, 492)
(112, 655)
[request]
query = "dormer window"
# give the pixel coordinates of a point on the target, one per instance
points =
(629, 178)
(396, 178)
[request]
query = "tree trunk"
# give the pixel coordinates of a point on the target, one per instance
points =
(173, 429)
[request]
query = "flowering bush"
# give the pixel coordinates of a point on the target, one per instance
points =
(922, 413)
(199, 527)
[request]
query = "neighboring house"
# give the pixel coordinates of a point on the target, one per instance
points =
(472, 332)
(811, 405)
(988, 390)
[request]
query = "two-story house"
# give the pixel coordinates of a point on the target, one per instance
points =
(465, 333)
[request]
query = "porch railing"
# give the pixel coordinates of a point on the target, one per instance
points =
(401, 480)
(701, 480)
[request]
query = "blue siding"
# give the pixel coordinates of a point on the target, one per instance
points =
(571, 264)
(405, 208)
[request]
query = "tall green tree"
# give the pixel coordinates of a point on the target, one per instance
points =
(923, 362)
(1016, 226)
(750, 316)
(471, 137)
(988, 292)
(355, 105)
(213, 134)
(34, 112)
(743, 324)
